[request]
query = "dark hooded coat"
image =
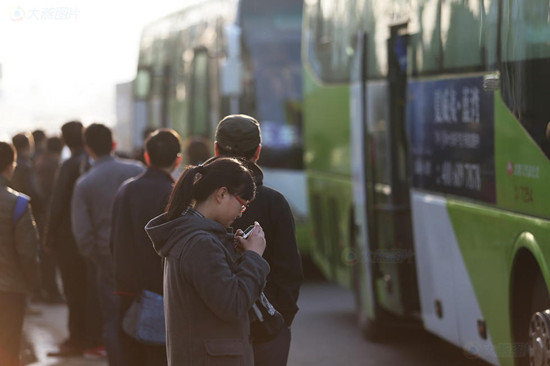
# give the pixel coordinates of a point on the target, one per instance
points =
(208, 291)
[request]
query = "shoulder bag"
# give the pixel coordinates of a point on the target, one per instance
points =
(265, 321)
(144, 320)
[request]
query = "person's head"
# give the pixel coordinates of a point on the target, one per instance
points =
(224, 185)
(71, 133)
(238, 135)
(24, 144)
(54, 145)
(7, 159)
(98, 139)
(147, 131)
(39, 137)
(163, 149)
(196, 150)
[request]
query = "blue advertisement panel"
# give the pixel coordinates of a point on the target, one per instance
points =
(451, 135)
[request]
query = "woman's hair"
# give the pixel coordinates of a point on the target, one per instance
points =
(197, 183)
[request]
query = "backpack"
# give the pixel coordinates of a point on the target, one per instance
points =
(20, 207)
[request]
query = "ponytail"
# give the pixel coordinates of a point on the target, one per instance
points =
(182, 194)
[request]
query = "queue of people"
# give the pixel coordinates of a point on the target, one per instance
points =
(117, 229)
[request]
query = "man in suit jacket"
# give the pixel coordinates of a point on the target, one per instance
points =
(91, 209)
(137, 266)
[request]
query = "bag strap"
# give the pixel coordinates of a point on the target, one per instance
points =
(20, 207)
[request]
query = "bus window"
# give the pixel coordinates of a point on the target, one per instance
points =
(525, 69)
(142, 84)
(377, 123)
(331, 37)
(178, 95)
(463, 20)
(426, 38)
(199, 111)
(273, 80)
(453, 36)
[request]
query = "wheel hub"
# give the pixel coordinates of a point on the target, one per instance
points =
(539, 339)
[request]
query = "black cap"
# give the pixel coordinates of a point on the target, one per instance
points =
(238, 133)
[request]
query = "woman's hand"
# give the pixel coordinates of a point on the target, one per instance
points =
(254, 242)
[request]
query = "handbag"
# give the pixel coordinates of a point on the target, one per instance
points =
(265, 321)
(144, 320)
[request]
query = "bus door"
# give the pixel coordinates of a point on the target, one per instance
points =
(362, 229)
(388, 216)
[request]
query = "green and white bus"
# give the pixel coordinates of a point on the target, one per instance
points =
(217, 57)
(427, 161)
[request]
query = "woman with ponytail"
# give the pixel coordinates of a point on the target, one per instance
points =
(211, 276)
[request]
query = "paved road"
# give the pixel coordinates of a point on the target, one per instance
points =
(45, 327)
(325, 333)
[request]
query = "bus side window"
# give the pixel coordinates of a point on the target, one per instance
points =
(425, 41)
(466, 22)
(525, 68)
(330, 45)
(199, 96)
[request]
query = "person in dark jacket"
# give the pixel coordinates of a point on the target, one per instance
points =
(18, 260)
(40, 142)
(239, 136)
(208, 288)
(136, 264)
(45, 167)
(59, 239)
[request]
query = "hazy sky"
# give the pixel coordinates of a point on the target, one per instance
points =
(61, 59)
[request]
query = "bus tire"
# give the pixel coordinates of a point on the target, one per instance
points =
(538, 341)
(529, 317)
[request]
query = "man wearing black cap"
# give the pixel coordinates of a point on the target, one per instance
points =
(239, 136)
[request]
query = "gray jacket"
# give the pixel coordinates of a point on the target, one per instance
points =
(208, 291)
(92, 203)
(18, 245)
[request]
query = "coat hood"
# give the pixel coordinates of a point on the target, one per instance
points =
(257, 173)
(166, 234)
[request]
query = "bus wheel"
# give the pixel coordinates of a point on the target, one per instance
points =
(529, 296)
(539, 339)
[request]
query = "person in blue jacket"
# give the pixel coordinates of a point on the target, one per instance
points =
(18, 259)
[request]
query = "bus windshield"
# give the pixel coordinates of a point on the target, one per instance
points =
(272, 57)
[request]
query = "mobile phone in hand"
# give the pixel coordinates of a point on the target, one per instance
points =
(248, 231)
